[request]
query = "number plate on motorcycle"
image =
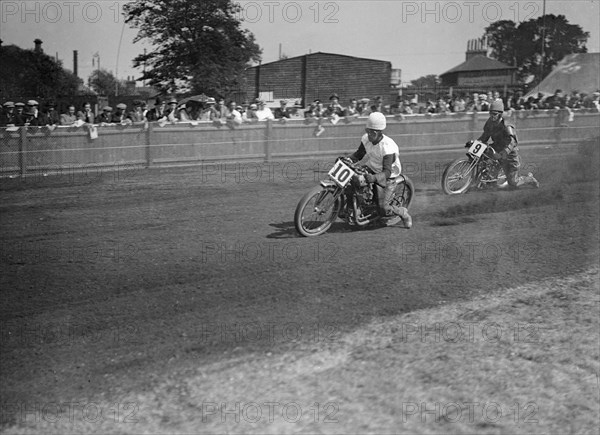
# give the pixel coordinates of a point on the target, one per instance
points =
(477, 149)
(341, 173)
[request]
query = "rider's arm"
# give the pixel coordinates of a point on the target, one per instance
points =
(386, 172)
(485, 136)
(358, 154)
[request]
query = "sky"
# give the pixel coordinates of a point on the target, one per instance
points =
(418, 37)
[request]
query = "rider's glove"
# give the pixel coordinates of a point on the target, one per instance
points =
(496, 156)
(370, 178)
(468, 144)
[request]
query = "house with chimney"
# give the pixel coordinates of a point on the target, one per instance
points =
(480, 73)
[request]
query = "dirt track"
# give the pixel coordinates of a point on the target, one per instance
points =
(113, 284)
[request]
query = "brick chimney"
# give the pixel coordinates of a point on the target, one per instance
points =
(477, 47)
(38, 46)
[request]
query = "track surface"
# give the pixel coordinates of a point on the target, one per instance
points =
(112, 284)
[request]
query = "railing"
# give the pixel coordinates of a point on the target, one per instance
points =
(34, 150)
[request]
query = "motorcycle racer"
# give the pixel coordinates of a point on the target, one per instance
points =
(380, 154)
(504, 146)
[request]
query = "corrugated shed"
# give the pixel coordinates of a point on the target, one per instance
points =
(318, 75)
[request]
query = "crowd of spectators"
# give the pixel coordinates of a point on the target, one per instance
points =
(231, 113)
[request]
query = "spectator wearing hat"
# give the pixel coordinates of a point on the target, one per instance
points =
(556, 101)
(207, 110)
(7, 117)
(136, 115)
(70, 117)
(33, 114)
(484, 104)
(52, 116)
(263, 113)
(220, 110)
(20, 116)
(352, 109)
(85, 114)
(106, 116)
(334, 108)
(120, 116)
(282, 111)
(172, 112)
(158, 111)
(250, 114)
(310, 112)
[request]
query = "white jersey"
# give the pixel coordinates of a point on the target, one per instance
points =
(374, 156)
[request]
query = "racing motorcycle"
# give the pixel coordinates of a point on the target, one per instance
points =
(345, 194)
(478, 169)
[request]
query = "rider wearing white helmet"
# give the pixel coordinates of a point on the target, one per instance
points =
(504, 146)
(379, 153)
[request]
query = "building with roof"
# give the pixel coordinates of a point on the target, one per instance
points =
(480, 72)
(317, 76)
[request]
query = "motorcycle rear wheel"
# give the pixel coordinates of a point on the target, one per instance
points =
(316, 211)
(457, 176)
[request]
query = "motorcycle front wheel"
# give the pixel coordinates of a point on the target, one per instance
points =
(457, 176)
(316, 211)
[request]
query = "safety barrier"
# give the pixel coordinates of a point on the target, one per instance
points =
(34, 150)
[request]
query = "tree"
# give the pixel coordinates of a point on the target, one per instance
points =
(199, 45)
(430, 81)
(34, 74)
(104, 82)
(522, 45)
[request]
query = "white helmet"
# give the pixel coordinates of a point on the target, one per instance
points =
(376, 121)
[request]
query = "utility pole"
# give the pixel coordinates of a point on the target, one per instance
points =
(543, 40)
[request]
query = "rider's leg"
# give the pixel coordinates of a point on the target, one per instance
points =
(384, 197)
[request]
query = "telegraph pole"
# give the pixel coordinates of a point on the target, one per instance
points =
(543, 40)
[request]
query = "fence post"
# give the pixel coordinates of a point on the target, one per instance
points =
(22, 146)
(149, 134)
(268, 134)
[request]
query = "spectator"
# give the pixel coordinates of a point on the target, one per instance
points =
(378, 105)
(158, 111)
(7, 118)
(406, 108)
(263, 113)
(172, 114)
(145, 110)
(86, 114)
(34, 116)
(352, 109)
(363, 107)
(430, 108)
(539, 101)
(282, 111)
(20, 117)
(136, 115)
(120, 116)
(220, 109)
(52, 117)
(530, 103)
(70, 117)
(207, 111)
(459, 104)
(250, 114)
(397, 106)
(233, 116)
(334, 108)
(484, 105)
(441, 106)
(106, 116)
(556, 101)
